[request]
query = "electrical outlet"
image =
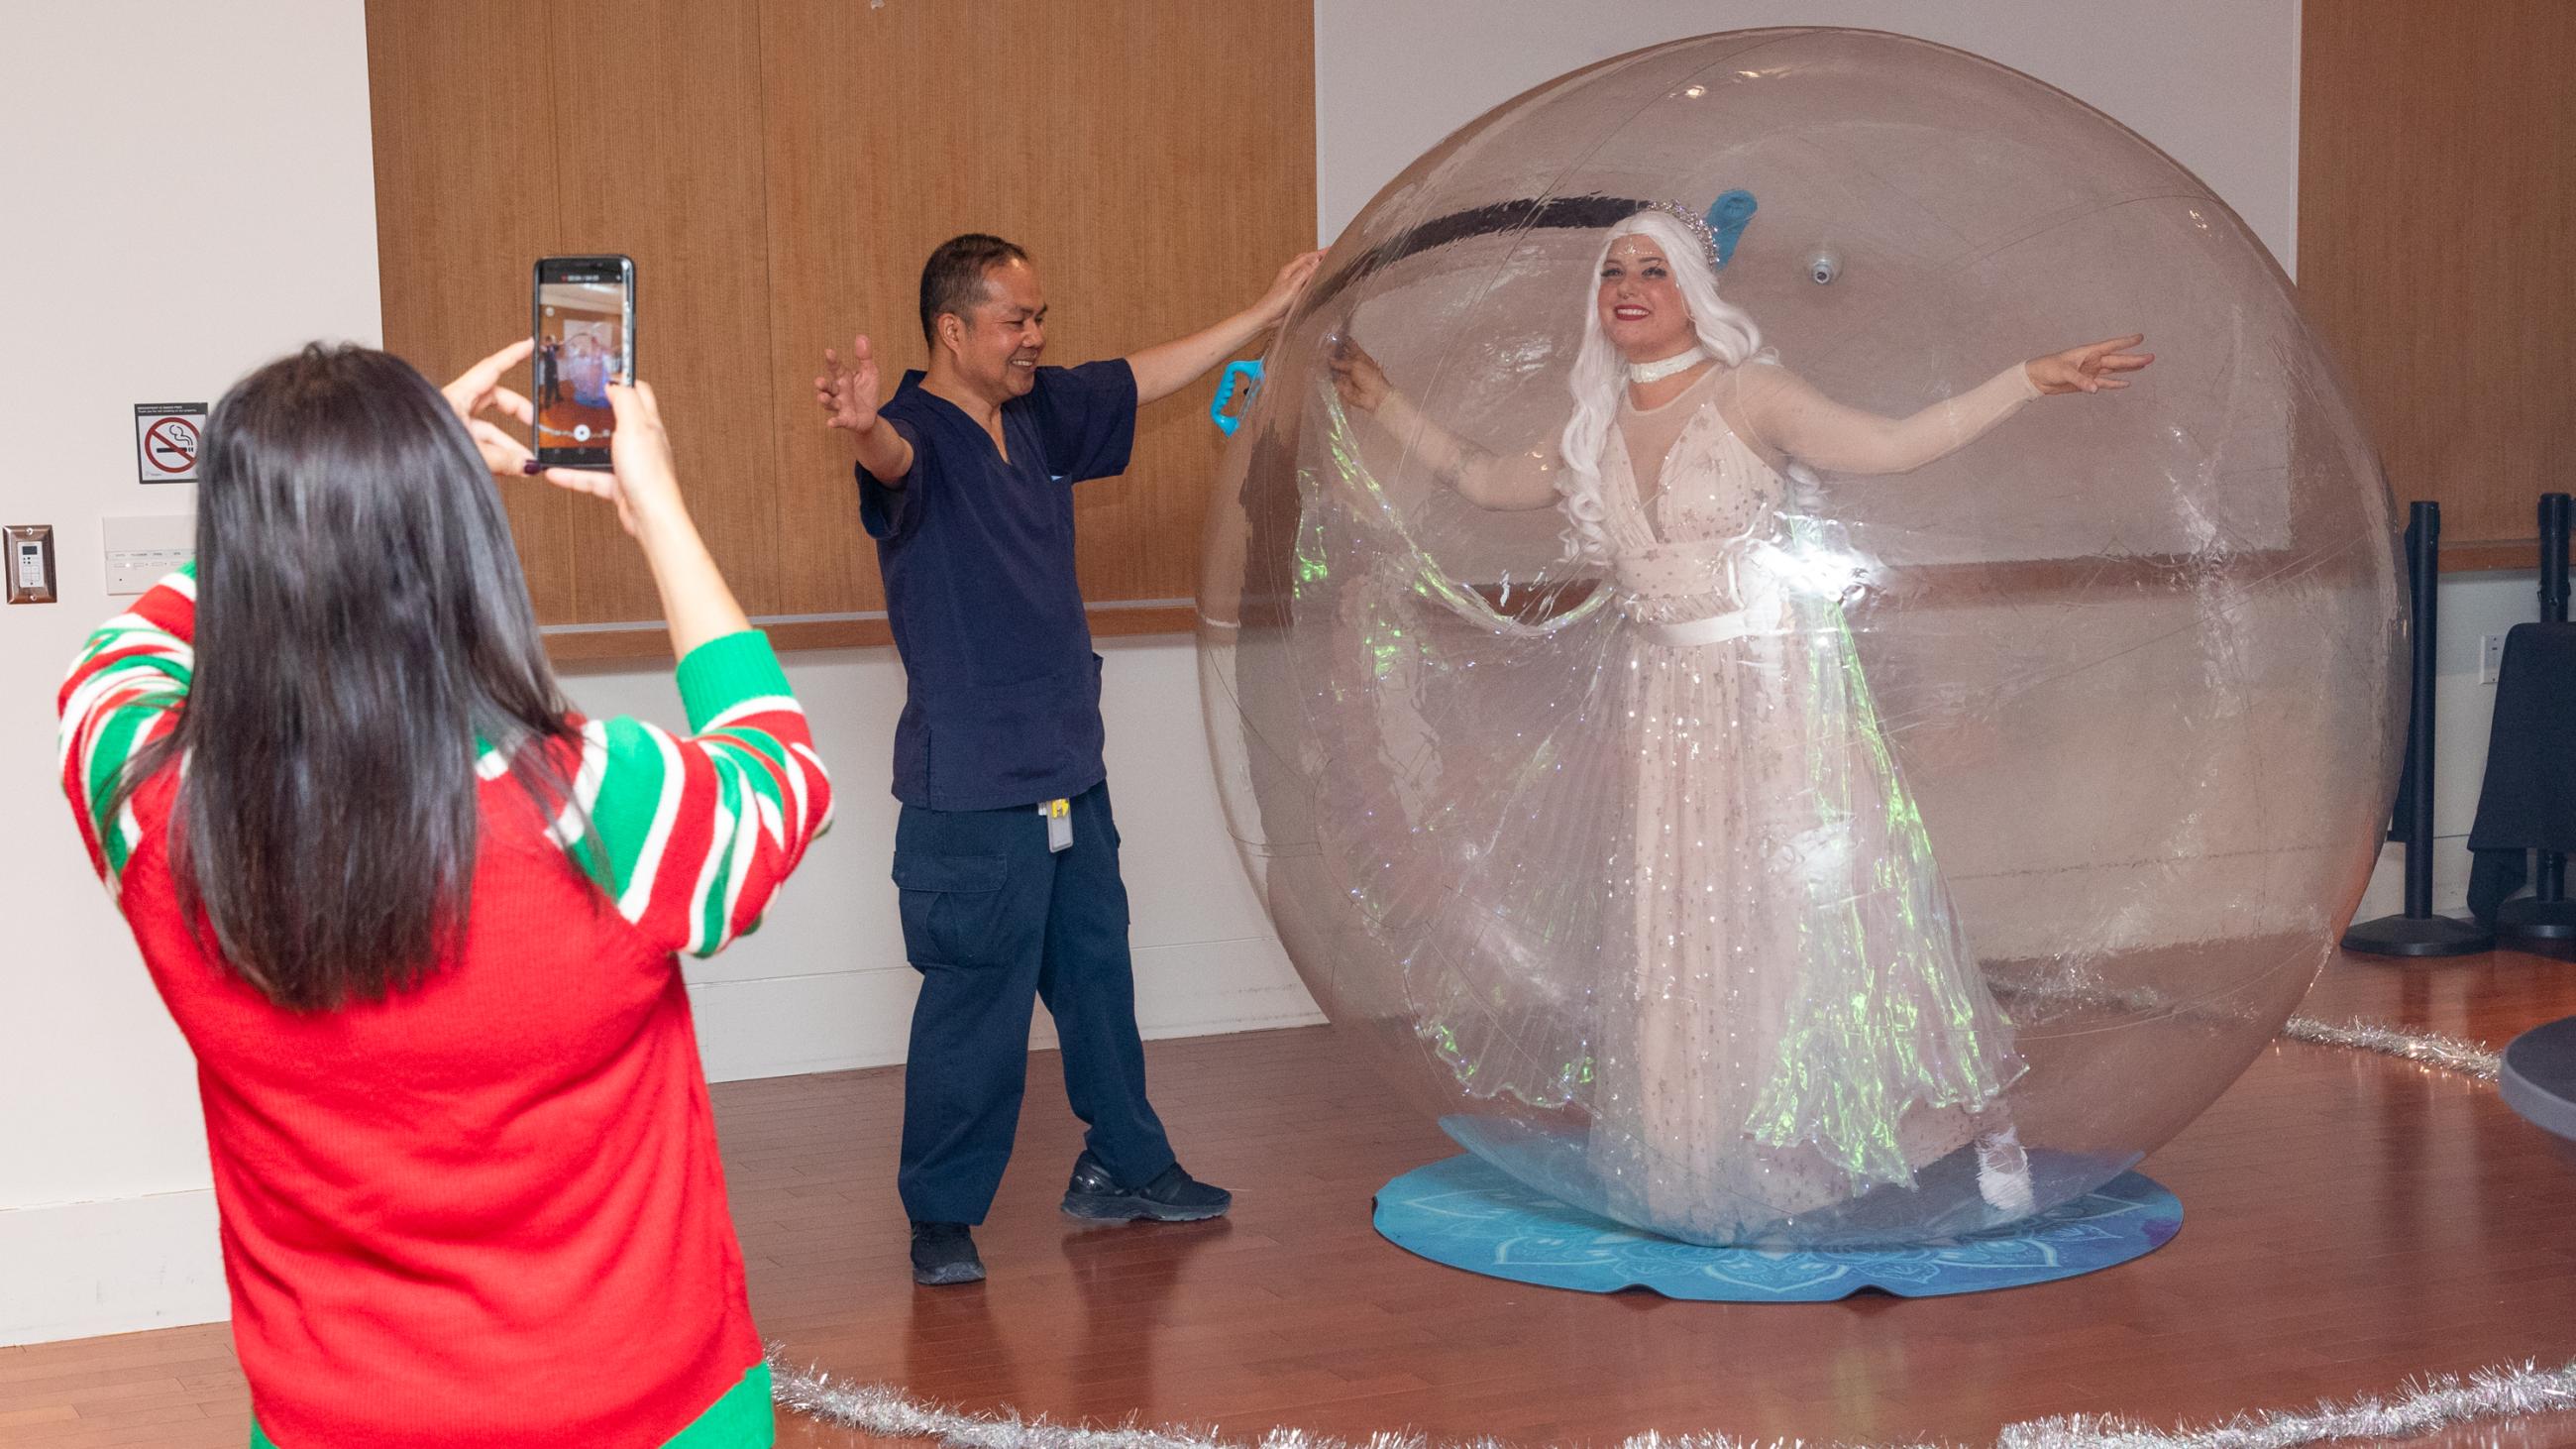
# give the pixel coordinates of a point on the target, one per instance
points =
(2490, 657)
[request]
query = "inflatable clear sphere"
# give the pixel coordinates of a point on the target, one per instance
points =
(1858, 801)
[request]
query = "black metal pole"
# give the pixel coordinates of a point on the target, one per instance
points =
(2553, 558)
(2423, 567)
(2419, 932)
(2549, 882)
(2551, 876)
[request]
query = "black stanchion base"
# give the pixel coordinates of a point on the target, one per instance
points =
(2409, 936)
(2539, 1076)
(2529, 918)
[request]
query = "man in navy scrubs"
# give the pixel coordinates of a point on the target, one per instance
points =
(1005, 856)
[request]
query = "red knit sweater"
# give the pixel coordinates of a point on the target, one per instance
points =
(487, 1211)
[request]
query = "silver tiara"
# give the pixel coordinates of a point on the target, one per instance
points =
(1697, 225)
(1717, 228)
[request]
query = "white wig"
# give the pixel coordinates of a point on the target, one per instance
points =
(1600, 380)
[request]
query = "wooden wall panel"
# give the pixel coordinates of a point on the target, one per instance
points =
(1157, 180)
(658, 155)
(465, 203)
(2437, 248)
(779, 171)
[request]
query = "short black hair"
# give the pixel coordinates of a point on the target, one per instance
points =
(953, 279)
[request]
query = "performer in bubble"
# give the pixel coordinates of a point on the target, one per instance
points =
(1785, 1014)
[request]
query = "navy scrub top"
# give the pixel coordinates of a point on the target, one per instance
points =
(1003, 703)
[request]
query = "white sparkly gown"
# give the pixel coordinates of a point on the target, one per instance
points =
(1787, 1015)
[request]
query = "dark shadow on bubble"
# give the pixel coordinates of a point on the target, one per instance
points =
(1570, 213)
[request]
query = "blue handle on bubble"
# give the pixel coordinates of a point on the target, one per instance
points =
(1250, 373)
(1727, 218)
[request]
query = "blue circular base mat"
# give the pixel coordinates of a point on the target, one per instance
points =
(1467, 1214)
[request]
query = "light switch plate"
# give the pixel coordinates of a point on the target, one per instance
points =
(31, 563)
(141, 550)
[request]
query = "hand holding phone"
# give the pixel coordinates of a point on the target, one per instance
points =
(478, 390)
(642, 481)
(582, 338)
(646, 491)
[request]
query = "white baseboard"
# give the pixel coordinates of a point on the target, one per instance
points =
(77, 1270)
(1214, 987)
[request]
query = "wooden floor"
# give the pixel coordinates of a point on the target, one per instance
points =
(2352, 1221)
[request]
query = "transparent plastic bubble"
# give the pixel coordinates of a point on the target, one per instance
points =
(1870, 831)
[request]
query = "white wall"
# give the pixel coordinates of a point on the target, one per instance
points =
(190, 192)
(219, 180)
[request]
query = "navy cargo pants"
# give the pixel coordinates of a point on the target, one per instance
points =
(994, 922)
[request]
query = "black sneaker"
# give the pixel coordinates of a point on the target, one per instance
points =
(1174, 1197)
(944, 1253)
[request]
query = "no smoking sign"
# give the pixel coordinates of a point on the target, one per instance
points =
(167, 439)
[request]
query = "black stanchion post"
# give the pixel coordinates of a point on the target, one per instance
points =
(2553, 558)
(2546, 914)
(2419, 932)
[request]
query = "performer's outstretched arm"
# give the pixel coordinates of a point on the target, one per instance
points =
(1504, 481)
(1786, 414)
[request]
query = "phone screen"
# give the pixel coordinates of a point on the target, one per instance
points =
(585, 336)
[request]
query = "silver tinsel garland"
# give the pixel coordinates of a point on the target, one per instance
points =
(2423, 1406)
(2420, 1408)
(2426, 1048)
(2431, 1049)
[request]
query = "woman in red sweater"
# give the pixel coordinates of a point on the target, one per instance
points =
(419, 922)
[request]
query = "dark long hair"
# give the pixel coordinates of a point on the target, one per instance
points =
(361, 625)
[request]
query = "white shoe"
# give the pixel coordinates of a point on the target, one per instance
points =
(2003, 1173)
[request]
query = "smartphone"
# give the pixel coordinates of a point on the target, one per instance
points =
(583, 316)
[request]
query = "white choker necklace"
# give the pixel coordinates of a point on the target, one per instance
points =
(1642, 373)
